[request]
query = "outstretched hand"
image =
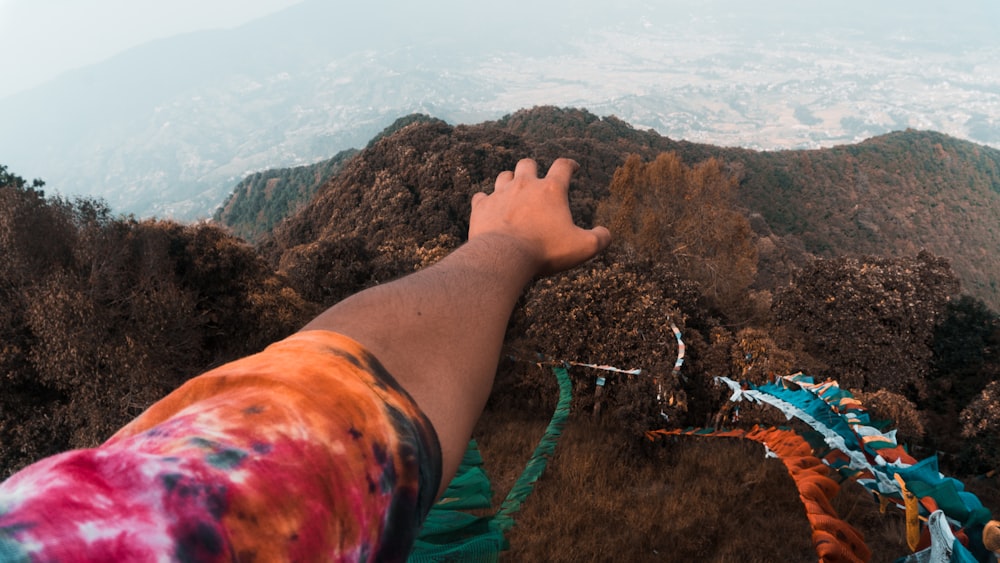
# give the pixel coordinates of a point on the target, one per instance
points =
(533, 214)
(440, 330)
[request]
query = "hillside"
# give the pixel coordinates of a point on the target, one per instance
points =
(892, 195)
(403, 201)
(106, 313)
(168, 127)
(261, 200)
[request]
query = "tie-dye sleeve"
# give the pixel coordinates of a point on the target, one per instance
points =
(308, 451)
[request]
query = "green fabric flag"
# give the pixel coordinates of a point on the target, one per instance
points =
(452, 535)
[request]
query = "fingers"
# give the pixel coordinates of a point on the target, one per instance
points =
(582, 246)
(603, 238)
(535, 211)
(562, 171)
(526, 167)
(503, 178)
(591, 243)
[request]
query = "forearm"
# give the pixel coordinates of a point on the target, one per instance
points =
(440, 331)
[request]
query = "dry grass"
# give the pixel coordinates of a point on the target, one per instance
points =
(681, 500)
(885, 534)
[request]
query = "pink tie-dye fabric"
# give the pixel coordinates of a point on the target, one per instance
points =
(308, 451)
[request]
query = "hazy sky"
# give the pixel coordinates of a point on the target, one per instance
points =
(41, 38)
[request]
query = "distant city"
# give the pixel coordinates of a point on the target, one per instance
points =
(785, 94)
(169, 128)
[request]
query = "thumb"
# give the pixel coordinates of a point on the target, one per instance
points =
(603, 236)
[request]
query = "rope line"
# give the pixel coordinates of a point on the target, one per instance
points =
(450, 534)
(504, 519)
(872, 457)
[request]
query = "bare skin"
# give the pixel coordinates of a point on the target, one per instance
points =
(439, 331)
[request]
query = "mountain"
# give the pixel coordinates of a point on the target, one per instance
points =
(104, 313)
(894, 195)
(891, 195)
(169, 127)
(261, 200)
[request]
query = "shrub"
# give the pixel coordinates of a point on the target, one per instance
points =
(981, 429)
(605, 312)
(886, 405)
(871, 319)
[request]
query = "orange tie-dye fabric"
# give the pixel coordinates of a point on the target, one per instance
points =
(308, 451)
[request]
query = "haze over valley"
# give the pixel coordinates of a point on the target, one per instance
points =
(169, 127)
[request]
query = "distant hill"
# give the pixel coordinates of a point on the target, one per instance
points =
(168, 127)
(892, 195)
(263, 199)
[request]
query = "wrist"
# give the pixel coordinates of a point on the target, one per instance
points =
(513, 254)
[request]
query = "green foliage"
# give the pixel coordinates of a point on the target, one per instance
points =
(264, 199)
(13, 181)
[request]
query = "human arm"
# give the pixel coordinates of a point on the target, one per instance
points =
(439, 331)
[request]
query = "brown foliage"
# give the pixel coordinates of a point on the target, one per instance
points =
(122, 313)
(605, 313)
(683, 217)
(870, 319)
(981, 428)
(601, 315)
(103, 315)
(892, 195)
(716, 359)
(886, 405)
(395, 200)
(756, 358)
(327, 270)
(749, 355)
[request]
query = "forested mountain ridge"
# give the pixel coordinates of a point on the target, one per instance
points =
(892, 195)
(260, 201)
(873, 282)
(106, 313)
